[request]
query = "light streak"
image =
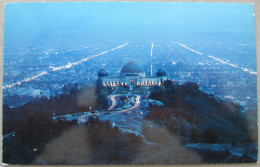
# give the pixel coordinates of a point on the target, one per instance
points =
(137, 104)
(190, 49)
(112, 98)
(151, 60)
(82, 118)
(69, 65)
(25, 80)
(219, 60)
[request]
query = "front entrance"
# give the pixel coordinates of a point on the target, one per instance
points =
(132, 82)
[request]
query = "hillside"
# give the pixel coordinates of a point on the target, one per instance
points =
(190, 127)
(197, 117)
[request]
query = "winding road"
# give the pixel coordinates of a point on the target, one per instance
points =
(137, 104)
(112, 98)
(114, 102)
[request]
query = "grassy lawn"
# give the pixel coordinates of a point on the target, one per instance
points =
(139, 90)
(121, 90)
(136, 90)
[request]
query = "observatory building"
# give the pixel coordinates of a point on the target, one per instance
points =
(132, 75)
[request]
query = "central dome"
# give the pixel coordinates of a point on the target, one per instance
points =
(102, 73)
(132, 67)
(161, 73)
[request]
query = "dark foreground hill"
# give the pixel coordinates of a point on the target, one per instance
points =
(197, 117)
(176, 132)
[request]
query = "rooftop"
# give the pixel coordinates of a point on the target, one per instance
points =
(132, 67)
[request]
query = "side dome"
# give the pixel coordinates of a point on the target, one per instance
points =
(102, 73)
(160, 73)
(132, 67)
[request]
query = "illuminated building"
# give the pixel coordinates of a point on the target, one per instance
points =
(132, 75)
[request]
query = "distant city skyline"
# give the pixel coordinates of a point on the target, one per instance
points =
(212, 44)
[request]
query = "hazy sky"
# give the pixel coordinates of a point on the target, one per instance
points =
(79, 21)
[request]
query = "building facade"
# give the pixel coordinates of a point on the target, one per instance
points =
(132, 75)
